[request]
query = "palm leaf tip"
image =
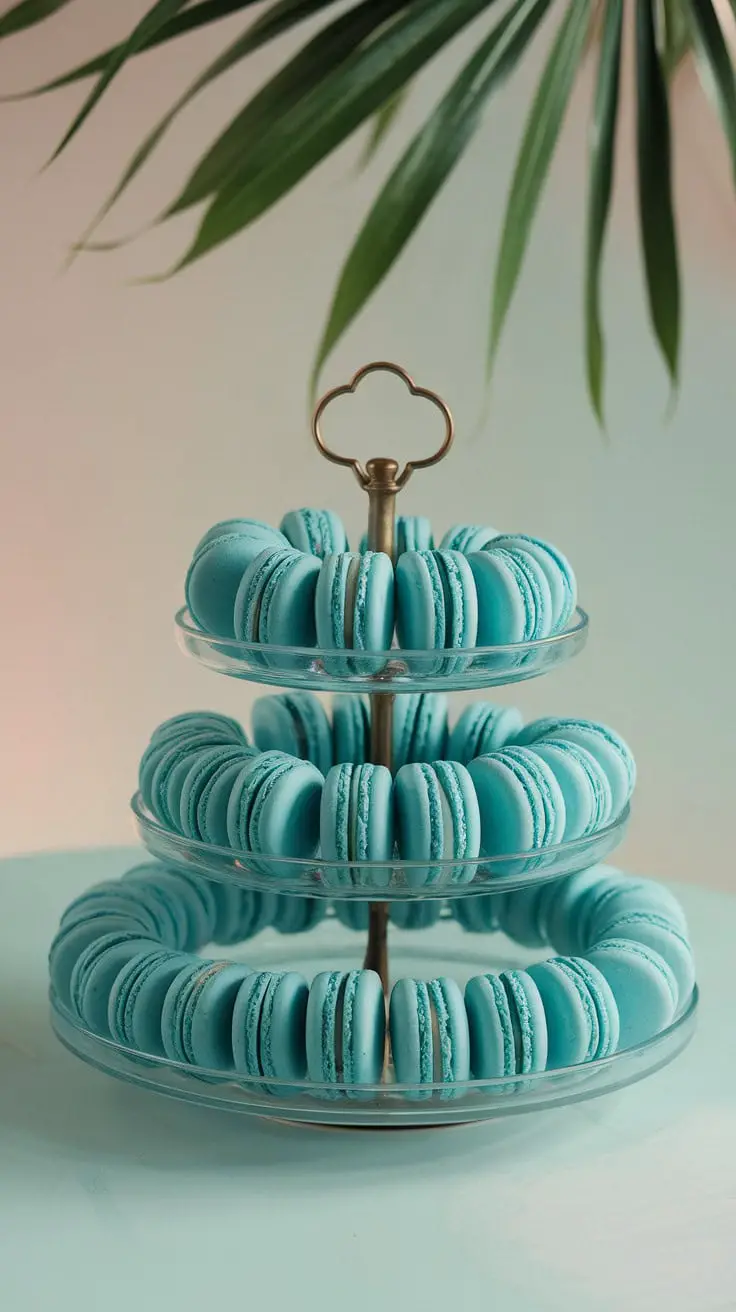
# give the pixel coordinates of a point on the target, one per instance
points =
(540, 137)
(601, 152)
(656, 210)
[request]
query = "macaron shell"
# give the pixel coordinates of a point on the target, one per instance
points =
(215, 575)
(506, 611)
(467, 538)
(643, 985)
(569, 1009)
(477, 914)
(212, 807)
(145, 1023)
(420, 620)
(287, 613)
(94, 974)
(296, 723)
(71, 941)
(350, 728)
(364, 1028)
(584, 785)
(202, 769)
(657, 933)
(254, 528)
(419, 728)
(209, 1041)
(558, 572)
(510, 811)
(507, 1025)
(288, 821)
(317, 532)
(187, 724)
(482, 728)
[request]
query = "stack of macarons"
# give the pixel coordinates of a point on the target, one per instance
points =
(124, 964)
(489, 787)
(301, 586)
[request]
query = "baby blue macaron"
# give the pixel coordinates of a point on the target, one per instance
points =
(197, 1014)
(514, 600)
(137, 995)
(351, 728)
(346, 1028)
(584, 784)
(354, 604)
(430, 1042)
(274, 807)
(659, 934)
(643, 985)
(419, 728)
(507, 1025)
(582, 1015)
(269, 1026)
(216, 571)
(608, 748)
(436, 603)
(316, 532)
(94, 973)
(412, 533)
(468, 537)
(521, 804)
(482, 728)
(357, 823)
(296, 723)
(615, 894)
(556, 569)
(274, 604)
(437, 819)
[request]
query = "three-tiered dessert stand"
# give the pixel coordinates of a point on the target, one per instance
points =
(442, 949)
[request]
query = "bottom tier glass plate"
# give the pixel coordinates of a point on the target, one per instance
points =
(443, 950)
(377, 881)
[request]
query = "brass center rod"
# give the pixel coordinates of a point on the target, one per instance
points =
(382, 491)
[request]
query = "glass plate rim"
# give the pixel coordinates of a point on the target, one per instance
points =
(234, 646)
(488, 1086)
(144, 817)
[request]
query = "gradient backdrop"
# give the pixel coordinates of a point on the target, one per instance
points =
(131, 418)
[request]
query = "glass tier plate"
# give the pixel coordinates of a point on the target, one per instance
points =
(375, 881)
(398, 670)
(445, 950)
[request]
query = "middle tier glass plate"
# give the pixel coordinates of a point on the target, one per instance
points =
(375, 881)
(398, 670)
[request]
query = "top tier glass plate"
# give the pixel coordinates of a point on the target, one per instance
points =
(397, 670)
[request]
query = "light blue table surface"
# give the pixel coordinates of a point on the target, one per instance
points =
(115, 1198)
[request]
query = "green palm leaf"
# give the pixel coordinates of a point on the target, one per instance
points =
(27, 14)
(283, 95)
(290, 147)
(425, 167)
(714, 60)
(382, 124)
(149, 24)
(602, 143)
(674, 33)
(199, 15)
(656, 215)
(540, 138)
(278, 19)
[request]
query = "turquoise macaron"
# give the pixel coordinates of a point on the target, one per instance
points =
(346, 1028)
(194, 895)
(643, 985)
(136, 998)
(316, 532)
(659, 934)
(351, 728)
(161, 756)
(468, 537)
(351, 913)
(418, 913)
(419, 728)
(430, 1042)
(191, 782)
(507, 1025)
(218, 565)
(274, 604)
(214, 799)
(354, 606)
(94, 973)
(274, 807)
(189, 724)
(296, 915)
(436, 603)
(556, 569)
(411, 533)
(249, 527)
(616, 895)
(514, 601)
(148, 908)
(482, 728)
(477, 914)
(519, 916)
(521, 804)
(582, 1015)
(294, 722)
(197, 1014)
(357, 823)
(584, 784)
(608, 748)
(269, 1026)
(74, 936)
(437, 819)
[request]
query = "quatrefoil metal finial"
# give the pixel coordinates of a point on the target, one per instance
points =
(366, 474)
